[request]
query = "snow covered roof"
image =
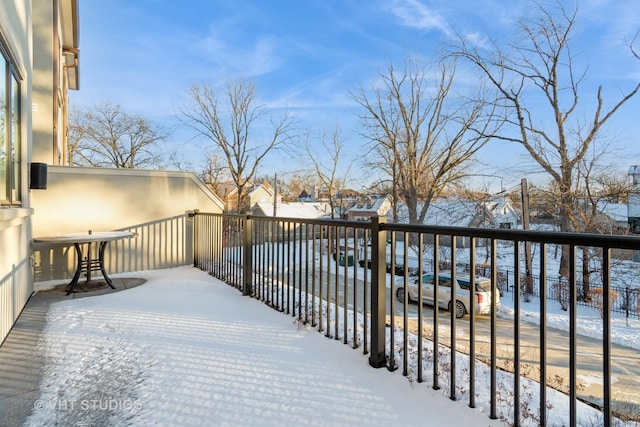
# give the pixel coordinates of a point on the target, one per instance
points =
(308, 210)
(454, 211)
(619, 212)
(380, 205)
(372, 204)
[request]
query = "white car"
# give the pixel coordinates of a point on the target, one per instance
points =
(482, 303)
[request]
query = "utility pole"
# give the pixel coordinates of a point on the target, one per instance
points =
(527, 244)
(275, 193)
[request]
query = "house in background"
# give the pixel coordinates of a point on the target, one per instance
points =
(454, 211)
(371, 206)
(305, 197)
(457, 212)
(613, 218)
(502, 213)
(300, 210)
(257, 193)
(304, 210)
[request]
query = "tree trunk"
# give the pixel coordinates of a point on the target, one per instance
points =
(585, 275)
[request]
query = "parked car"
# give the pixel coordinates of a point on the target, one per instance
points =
(482, 303)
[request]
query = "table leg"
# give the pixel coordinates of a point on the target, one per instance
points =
(89, 266)
(103, 246)
(76, 276)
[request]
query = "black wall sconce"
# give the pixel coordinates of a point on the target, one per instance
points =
(38, 176)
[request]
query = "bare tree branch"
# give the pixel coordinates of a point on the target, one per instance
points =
(423, 134)
(332, 174)
(106, 136)
(233, 135)
(542, 64)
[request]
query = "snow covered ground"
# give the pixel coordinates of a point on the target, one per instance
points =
(624, 331)
(186, 349)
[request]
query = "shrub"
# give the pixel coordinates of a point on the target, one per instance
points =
(597, 298)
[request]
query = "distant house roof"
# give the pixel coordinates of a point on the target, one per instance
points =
(304, 195)
(226, 188)
(450, 212)
(502, 211)
(229, 187)
(309, 210)
(618, 212)
(454, 211)
(371, 206)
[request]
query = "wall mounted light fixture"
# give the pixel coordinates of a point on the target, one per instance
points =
(38, 176)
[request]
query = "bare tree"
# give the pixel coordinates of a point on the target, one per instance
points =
(75, 134)
(294, 183)
(632, 46)
(539, 68)
(214, 172)
(106, 136)
(332, 174)
(230, 127)
(596, 188)
(423, 134)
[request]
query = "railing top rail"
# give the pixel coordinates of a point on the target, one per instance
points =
(228, 215)
(329, 222)
(580, 239)
(557, 237)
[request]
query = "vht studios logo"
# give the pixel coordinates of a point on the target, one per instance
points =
(88, 405)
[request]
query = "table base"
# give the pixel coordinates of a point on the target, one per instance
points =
(88, 265)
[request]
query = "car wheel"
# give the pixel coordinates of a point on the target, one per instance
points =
(400, 294)
(460, 309)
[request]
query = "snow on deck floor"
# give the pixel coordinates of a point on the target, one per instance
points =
(186, 349)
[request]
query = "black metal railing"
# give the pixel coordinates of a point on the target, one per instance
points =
(350, 281)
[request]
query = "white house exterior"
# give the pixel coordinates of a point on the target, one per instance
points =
(502, 212)
(376, 206)
(38, 64)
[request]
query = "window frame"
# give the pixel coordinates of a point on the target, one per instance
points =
(11, 181)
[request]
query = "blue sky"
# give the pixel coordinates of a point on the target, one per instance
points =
(306, 56)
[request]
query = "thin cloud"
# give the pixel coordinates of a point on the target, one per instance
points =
(477, 39)
(326, 91)
(413, 13)
(249, 60)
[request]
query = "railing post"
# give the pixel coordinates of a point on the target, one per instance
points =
(190, 238)
(377, 357)
(247, 256)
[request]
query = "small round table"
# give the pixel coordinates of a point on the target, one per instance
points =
(87, 265)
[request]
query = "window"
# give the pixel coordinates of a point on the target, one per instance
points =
(4, 168)
(444, 281)
(10, 159)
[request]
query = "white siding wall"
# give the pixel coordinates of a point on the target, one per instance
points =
(152, 204)
(15, 223)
